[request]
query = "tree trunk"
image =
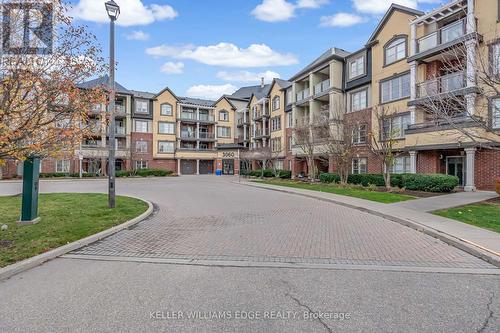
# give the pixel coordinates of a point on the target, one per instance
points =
(387, 176)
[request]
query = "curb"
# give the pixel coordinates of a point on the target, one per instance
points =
(29, 263)
(462, 244)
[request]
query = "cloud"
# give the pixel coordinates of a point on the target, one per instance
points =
(311, 3)
(282, 10)
(226, 54)
(138, 35)
(210, 91)
(132, 12)
(380, 6)
(172, 68)
(246, 76)
(341, 20)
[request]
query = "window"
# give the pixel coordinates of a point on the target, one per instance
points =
(224, 115)
(395, 88)
(224, 132)
(288, 96)
(166, 109)
(395, 127)
(165, 147)
(62, 166)
(141, 146)
(141, 165)
(496, 113)
(141, 126)
(395, 50)
(276, 144)
(290, 143)
(359, 165)
(276, 123)
(278, 165)
(359, 100)
(166, 128)
(290, 165)
(401, 165)
(359, 133)
(495, 58)
(357, 67)
(141, 106)
(276, 103)
(289, 117)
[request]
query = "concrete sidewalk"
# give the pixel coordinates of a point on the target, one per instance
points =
(445, 201)
(476, 241)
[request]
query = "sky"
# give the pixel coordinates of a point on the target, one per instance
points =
(206, 48)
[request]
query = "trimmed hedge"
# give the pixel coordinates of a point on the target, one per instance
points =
(269, 173)
(145, 173)
(414, 182)
(430, 183)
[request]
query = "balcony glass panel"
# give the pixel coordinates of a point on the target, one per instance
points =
(443, 35)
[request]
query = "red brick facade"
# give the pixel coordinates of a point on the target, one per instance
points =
(165, 164)
(487, 168)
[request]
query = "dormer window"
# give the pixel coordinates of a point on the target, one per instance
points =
(357, 67)
(395, 50)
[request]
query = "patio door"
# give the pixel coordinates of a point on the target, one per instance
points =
(455, 166)
(228, 167)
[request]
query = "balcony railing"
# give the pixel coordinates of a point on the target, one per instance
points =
(188, 135)
(206, 117)
(443, 35)
(120, 109)
(188, 115)
(458, 119)
(442, 84)
(259, 132)
(260, 113)
(301, 95)
(118, 130)
(204, 135)
(322, 87)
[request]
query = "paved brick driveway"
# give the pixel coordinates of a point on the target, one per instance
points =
(212, 218)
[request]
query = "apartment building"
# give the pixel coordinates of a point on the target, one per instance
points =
(142, 129)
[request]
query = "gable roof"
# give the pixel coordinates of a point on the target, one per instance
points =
(248, 92)
(142, 94)
(167, 89)
(331, 53)
(392, 8)
(196, 101)
(283, 83)
(103, 82)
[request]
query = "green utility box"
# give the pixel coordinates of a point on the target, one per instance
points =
(31, 173)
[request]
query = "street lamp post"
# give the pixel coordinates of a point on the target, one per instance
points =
(113, 11)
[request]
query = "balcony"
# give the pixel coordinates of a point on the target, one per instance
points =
(440, 85)
(259, 114)
(206, 136)
(242, 122)
(120, 110)
(191, 116)
(187, 116)
(302, 95)
(322, 87)
(203, 117)
(259, 133)
(188, 135)
(462, 120)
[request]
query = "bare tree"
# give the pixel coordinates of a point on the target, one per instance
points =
(304, 136)
(43, 111)
(446, 102)
(383, 144)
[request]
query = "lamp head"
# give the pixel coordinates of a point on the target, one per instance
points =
(113, 10)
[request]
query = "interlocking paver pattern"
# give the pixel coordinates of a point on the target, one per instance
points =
(212, 218)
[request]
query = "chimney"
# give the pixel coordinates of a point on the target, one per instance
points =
(262, 82)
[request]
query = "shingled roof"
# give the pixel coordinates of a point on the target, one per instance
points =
(103, 81)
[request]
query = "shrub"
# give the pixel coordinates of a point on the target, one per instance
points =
(284, 174)
(153, 172)
(53, 175)
(498, 186)
(430, 183)
(366, 179)
(329, 178)
(123, 173)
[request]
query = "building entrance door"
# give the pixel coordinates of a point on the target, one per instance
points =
(455, 166)
(228, 167)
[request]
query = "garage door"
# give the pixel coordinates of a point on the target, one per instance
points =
(188, 167)
(206, 167)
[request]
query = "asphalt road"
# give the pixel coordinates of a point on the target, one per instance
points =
(355, 272)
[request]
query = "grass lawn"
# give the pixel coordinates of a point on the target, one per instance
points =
(65, 217)
(383, 197)
(485, 215)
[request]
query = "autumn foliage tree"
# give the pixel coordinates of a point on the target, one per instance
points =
(43, 111)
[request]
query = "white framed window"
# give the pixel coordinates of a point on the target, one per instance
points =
(359, 100)
(288, 96)
(395, 127)
(62, 166)
(401, 165)
(166, 109)
(290, 143)
(276, 144)
(278, 165)
(289, 121)
(141, 106)
(141, 146)
(359, 165)
(395, 88)
(495, 113)
(276, 123)
(223, 115)
(141, 126)
(166, 128)
(166, 147)
(276, 103)
(360, 133)
(141, 165)
(357, 67)
(223, 132)
(395, 51)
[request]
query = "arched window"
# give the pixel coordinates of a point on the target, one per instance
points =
(276, 102)
(166, 109)
(395, 50)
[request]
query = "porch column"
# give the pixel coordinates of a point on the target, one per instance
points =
(471, 20)
(413, 80)
(179, 167)
(197, 167)
(470, 154)
(413, 161)
(413, 37)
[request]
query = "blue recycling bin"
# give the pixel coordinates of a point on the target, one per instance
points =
(218, 172)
